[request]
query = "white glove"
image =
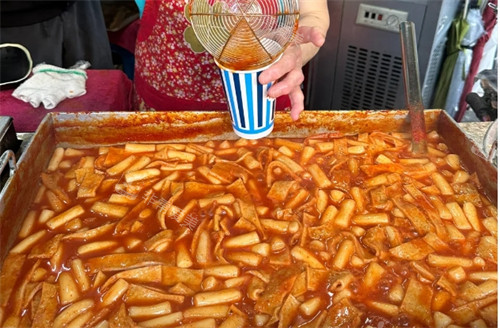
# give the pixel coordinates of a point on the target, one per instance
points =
(51, 84)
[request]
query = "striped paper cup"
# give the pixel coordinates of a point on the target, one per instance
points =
(252, 112)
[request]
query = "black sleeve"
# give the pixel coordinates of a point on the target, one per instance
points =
(21, 13)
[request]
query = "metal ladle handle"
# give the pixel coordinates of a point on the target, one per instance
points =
(412, 87)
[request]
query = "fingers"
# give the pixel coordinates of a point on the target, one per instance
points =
(291, 59)
(288, 70)
(317, 38)
(308, 34)
(292, 80)
(297, 102)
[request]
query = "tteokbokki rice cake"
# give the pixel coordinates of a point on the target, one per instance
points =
(328, 231)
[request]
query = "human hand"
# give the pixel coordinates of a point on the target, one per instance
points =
(287, 72)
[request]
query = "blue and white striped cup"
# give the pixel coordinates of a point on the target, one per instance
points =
(252, 112)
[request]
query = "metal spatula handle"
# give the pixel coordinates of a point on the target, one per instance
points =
(412, 87)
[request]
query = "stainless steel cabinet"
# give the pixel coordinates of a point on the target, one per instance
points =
(359, 67)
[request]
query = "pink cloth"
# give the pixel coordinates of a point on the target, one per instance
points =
(107, 90)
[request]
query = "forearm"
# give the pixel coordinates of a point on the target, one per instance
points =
(314, 13)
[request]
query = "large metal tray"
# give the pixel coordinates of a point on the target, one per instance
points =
(94, 129)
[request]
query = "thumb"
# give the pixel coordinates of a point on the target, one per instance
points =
(310, 34)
